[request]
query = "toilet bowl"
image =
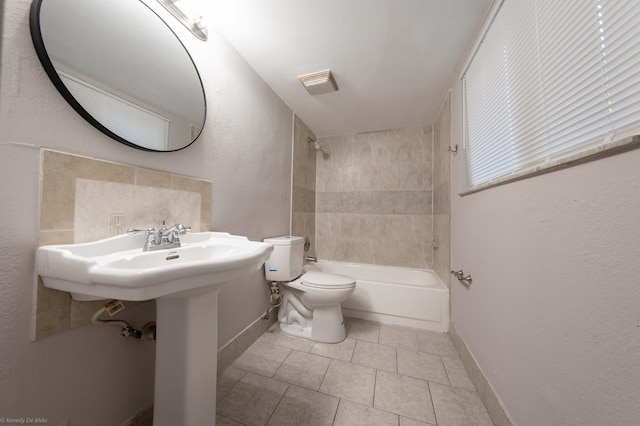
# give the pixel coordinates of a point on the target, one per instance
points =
(310, 299)
(311, 306)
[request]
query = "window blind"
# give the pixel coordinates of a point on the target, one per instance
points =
(125, 119)
(550, 78)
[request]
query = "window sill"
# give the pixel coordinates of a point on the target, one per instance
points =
(595, 153)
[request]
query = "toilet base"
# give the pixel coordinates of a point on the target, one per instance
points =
(296, 331)
(327, 326)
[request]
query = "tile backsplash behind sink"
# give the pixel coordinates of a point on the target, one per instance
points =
(83, 199)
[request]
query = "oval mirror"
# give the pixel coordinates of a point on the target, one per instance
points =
(122, 68)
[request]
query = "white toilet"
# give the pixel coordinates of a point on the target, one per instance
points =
(310, 299)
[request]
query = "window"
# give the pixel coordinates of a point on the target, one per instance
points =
(550, 78)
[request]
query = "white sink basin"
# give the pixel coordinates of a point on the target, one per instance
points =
(185, 282)
(117, 268)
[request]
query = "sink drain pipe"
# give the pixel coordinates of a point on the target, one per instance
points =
(275, 298)
(148, 331)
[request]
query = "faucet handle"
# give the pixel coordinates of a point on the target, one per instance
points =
(151, 236)
(177, 229)
(181, 229)
(140, 231)
(172, 235)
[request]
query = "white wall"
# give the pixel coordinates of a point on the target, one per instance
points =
(89, 375)
(553, 314)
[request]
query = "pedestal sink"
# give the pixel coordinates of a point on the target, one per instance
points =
(185, 282)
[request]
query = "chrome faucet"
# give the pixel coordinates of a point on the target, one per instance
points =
(163, 238)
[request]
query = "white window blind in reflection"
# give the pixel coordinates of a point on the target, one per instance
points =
(550, 78)
(127, 120)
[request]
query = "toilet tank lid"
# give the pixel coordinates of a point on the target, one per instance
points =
(325, 280)
(287, 240)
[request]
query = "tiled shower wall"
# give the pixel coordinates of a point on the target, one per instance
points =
(442, 193)
(79, 196)
(374, 198)
(303, 217)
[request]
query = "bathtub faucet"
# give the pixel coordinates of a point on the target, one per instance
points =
(311, 259)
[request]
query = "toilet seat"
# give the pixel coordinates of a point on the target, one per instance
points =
(315, 279)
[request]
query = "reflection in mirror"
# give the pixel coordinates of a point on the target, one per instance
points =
(123, 69)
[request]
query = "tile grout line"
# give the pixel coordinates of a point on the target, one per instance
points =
(278, 404)
(333, 361)
(282, 363)
(397, 372)
(435, 414)
(325, 375)
(446, 372)
(335, 415)
(375, 382)
(354, 351)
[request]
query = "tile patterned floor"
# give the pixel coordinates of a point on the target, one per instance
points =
(380, 375)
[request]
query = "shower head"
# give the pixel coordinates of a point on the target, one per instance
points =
(315, 143)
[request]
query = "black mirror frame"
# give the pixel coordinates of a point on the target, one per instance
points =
(45, 60)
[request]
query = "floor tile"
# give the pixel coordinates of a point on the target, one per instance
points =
(304, 407)
(342, 351)
(223, 421)
(457, 406)
(379, 375)
(260, 393)
(422, 365)
(375, 355)
(227, 380)
(458, 376)
(262, 358)
(406, 421)
(352, 414)
(436, 343)
(274, 336)
(406, 396)
(402, 337)
(363, 329)
(303, 369)
(350, 381)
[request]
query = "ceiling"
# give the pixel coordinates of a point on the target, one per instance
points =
(394, 60)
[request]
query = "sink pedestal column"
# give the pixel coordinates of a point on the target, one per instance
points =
(186, 359)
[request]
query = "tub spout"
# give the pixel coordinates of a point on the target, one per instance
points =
(311, 259)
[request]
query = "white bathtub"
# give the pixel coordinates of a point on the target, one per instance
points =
(392, 295)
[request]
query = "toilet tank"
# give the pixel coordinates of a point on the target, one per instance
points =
(287, 258)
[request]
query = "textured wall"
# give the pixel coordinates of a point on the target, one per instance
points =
(552, 315)
(374, 193)
(90, 375)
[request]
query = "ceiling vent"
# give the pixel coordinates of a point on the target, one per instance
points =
(319, 82)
